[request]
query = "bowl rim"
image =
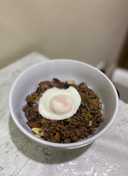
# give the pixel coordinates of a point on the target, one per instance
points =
(61, 145)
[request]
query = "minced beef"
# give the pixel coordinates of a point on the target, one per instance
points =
(81, 125)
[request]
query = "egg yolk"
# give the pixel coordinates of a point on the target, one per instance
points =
(61, 104)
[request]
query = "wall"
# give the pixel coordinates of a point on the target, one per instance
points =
(84, 29)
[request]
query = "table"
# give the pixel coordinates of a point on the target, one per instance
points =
(19, 156)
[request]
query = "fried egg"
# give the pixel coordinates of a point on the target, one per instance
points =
(59, 104)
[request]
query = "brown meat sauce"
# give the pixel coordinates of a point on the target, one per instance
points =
(81, 125)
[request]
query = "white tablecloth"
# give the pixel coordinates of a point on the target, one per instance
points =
(19, 156)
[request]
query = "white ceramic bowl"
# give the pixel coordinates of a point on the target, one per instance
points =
(64, 70)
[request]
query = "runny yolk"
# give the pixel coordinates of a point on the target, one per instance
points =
(61, 104)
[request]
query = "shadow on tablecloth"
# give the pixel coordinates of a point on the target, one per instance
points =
(40, 153)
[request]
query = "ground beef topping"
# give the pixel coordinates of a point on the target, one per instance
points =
(81, 125)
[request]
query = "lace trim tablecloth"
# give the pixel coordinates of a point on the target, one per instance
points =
(19, 156)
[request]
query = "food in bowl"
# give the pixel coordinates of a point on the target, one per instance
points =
(63, 111)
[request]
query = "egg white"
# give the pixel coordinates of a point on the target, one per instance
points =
(45, 99)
